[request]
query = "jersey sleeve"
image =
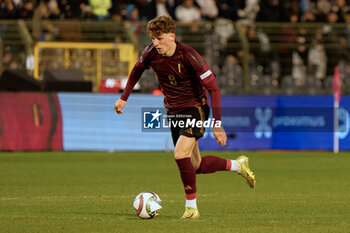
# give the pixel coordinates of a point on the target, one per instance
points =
(137, 71)
(207, 78)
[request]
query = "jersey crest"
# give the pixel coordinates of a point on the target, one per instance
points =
(180, 67)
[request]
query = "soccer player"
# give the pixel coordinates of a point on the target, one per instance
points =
(185, 79)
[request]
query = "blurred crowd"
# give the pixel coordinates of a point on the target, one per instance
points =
(308, 61)
(182, 10)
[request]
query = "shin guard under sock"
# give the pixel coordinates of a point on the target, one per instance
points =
(212, 164)
(188, 177)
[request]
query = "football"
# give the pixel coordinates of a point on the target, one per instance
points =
(147, 205)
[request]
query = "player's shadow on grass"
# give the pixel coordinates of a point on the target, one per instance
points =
(93, 213)
(104, 214)
(126, 215)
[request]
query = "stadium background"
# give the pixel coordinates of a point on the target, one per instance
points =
(259, 62)
(68, 163)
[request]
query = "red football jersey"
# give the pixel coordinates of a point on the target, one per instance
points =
(183, 78)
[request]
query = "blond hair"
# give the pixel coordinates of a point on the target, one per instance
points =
(160, 25)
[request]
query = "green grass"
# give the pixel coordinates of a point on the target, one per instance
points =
(93, 192)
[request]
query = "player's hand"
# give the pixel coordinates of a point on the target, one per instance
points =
(119, 105)
(220, 135)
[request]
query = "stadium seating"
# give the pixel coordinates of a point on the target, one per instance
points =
(262, 53)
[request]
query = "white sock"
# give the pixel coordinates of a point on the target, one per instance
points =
(235, 166)
(191, 203)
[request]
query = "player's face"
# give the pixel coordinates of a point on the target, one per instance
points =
(165, 44)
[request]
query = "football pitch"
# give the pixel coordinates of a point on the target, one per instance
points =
(94, 191)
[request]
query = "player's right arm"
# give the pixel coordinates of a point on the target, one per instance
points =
(119, 105)
(134, 77)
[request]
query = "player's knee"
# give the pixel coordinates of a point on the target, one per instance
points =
(184, 147)
(181, 153)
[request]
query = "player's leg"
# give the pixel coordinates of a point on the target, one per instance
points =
(196, 157)
(211, 163)
(190, 135)
(183, 153)
(183, 146)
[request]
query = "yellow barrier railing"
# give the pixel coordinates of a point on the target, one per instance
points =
(98, 61)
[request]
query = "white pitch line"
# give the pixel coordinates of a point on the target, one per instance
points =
(65, 197)
(9, 198)
(72, 197)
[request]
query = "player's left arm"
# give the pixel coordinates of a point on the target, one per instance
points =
(211, 85)
(207, 78)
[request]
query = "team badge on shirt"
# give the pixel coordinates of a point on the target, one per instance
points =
(180, 68)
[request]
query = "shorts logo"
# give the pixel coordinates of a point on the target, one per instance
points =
(151, 119)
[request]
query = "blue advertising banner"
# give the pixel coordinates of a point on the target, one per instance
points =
(281, 122)
(90, 123)
(251, 123)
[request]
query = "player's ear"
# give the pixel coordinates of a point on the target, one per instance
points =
(172, 35)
